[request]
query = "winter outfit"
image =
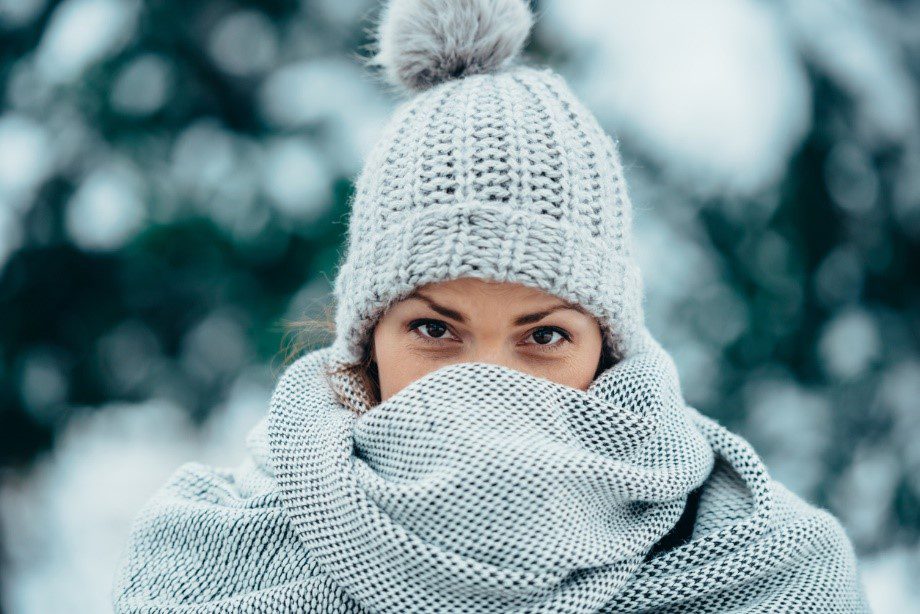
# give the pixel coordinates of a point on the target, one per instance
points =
(478, 488)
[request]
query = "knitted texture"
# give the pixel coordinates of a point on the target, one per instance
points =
(478, 488)
(500, 174)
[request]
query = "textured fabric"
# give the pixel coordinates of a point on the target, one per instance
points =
(478, 488)
(502, 175)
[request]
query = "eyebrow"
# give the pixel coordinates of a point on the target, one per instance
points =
(520, 320)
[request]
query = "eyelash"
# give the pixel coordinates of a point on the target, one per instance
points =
(566, 337)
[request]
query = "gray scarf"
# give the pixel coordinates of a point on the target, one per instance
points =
(478, 488)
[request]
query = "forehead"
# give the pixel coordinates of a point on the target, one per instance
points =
(490, 298)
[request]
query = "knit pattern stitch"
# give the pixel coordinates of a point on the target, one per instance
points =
(478, 488)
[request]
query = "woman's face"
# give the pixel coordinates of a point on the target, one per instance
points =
(475, 320)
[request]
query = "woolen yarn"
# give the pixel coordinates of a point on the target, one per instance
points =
(491, 168)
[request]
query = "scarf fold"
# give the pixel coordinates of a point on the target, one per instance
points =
(482, 487)
(478, 488)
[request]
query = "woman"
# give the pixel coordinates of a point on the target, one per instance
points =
(493, 429)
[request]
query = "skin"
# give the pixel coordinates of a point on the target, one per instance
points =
(474, 320)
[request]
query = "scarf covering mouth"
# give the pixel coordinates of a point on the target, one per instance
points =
(478, 488)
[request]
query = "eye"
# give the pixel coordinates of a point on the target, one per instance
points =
(431, 331)
(549, 337)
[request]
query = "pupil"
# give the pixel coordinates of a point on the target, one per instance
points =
(542, 332)
(438, 327)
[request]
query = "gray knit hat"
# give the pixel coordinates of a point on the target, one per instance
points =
(491, 169)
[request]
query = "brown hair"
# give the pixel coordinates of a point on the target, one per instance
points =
(303, 332)
(365, 370)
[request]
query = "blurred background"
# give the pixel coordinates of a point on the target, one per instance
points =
(174, 187)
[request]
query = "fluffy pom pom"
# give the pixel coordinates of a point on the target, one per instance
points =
(421, 43)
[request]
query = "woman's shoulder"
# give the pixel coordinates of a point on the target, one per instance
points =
(744, 514)
(249, 484)
(212, 537)
(741, 493)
